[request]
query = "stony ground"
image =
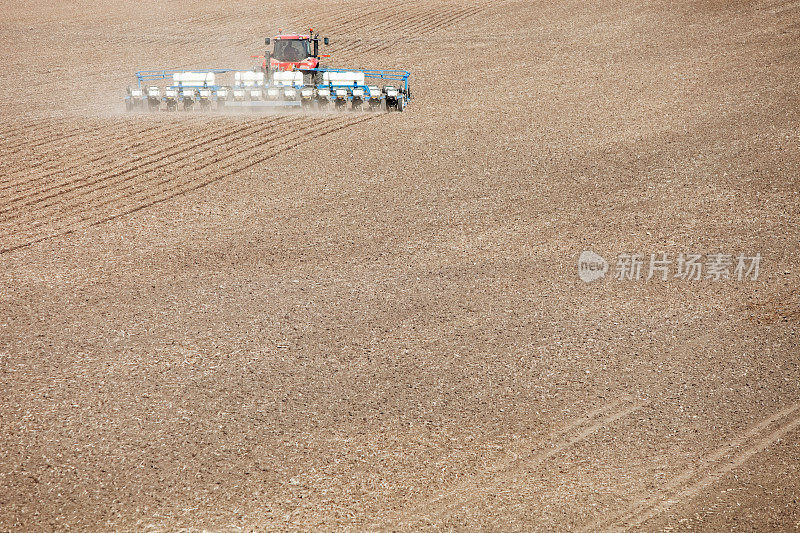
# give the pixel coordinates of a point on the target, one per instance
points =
(375, 321)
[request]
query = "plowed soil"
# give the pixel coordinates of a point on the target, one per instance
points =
(374, 321)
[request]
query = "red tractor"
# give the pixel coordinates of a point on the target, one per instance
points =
(294, 52)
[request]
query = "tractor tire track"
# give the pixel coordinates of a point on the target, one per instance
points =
(470, 490)
(156, 161)
(453, 19)
(13, 135)
(72, 180)
(401, 19)
(231, 171)
(185, 163)
(229, 163)
(422, 19)
(25, 155)
(715, 465)
(341, 19)
(303, 139)
(406, 23)
(24, 130)
(434, 25)
(346, 24)
(26, 143)
(409, 24)
(427, 24)
(40, 217)
(108, 150)
(160, 153)
(373, 24)
(51, 167)
(355, 15)
(54, 138)
(108, 189)
(387, 20)
(46, 166)
(178, 191)
(365, 21)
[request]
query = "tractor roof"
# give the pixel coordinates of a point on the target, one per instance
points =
(292, 36)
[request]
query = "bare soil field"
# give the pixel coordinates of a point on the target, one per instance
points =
(375, 321)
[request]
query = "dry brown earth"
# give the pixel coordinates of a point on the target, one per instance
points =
(374, 321)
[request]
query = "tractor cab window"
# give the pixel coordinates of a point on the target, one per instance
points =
(291, 50)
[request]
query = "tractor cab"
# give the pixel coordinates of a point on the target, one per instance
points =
(292, 49)
(293, 52)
